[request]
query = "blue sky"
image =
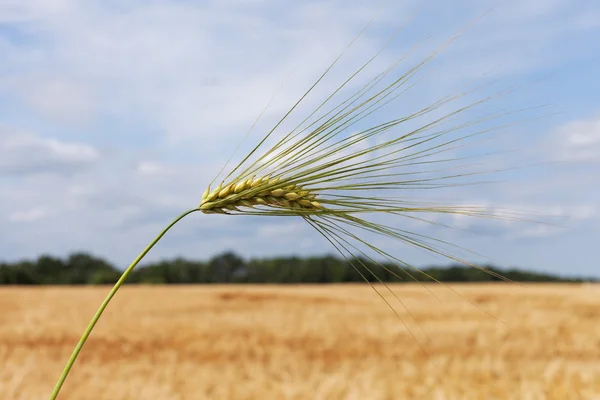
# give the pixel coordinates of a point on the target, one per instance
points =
(114, 116)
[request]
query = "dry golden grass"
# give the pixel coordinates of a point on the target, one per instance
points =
(308, 342)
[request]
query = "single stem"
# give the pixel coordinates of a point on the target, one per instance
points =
(102, 307)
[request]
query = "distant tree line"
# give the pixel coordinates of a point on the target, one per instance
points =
(82, 268)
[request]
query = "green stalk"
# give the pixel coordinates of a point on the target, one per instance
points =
(102, 307)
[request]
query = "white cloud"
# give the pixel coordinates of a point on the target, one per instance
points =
(58, 98)
(30, 215)
(579, 141)
(196, 71)
(152, 168)
(24, 153)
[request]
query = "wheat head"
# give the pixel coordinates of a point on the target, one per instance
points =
(261, 191)
(339, 176)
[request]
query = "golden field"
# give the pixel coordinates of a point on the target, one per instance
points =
(493, 341)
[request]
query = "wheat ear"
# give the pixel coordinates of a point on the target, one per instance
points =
(261, 191)
(336, 174)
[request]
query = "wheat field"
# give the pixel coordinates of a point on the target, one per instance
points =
(493, 341)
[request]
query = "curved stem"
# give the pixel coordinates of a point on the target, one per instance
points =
(102, 307)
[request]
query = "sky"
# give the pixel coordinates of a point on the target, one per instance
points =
(115, 115)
